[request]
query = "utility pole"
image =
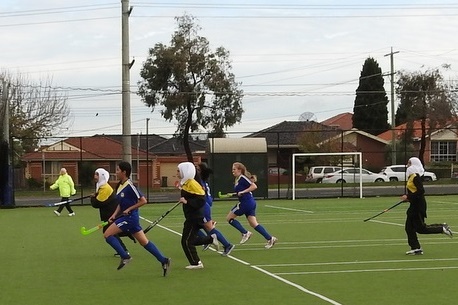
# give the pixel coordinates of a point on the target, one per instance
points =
(393, 124)
(147, 161)
(6, 120)
(5, 161)
(126, 65)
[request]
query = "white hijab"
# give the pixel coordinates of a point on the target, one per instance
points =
(187, 171)
(415, 167)
(104, 176)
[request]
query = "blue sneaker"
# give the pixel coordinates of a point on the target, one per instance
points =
(228, 250)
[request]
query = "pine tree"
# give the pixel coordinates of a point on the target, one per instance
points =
(370, 111)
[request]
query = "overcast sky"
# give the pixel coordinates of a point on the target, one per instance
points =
(291, 58)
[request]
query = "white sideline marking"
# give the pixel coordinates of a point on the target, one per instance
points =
(320, 296)
(365, 270)
(288, 209)
(446, 202)
(387, 223)
(269, 274)
(394, 224)
(407, 260)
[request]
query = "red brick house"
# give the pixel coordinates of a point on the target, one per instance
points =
(150, 168)
(441, 143)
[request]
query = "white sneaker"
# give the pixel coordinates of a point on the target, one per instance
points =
(72, 214)
(447, 231)
(271, 242)
(198, 266)
(215, 241)
(245, 237)
(57, 213)
(415, 252)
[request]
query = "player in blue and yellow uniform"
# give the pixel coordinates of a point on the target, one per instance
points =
(243, 187)
(130, 199)
(105, 200)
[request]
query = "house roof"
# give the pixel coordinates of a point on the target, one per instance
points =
(400, 129)
(363, 133)
(286, 132)
(158, 145)
(343, 121)
(141, 139)
(80, 148)
(174, 146)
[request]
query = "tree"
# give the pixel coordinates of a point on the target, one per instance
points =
(424, 96)
(194, 85)
(370, 112)
(36, 110)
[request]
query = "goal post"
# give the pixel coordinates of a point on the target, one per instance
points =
(359, 156)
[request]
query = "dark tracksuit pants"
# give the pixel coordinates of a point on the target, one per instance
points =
(67, 205)
(190, 239)
(415, 223)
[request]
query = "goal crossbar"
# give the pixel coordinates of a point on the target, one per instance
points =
(358, 154)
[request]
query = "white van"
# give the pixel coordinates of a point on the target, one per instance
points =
(317, 173)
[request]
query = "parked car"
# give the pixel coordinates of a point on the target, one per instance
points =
(398, 173)
(316, 173)
(277, 170)
(351, 175)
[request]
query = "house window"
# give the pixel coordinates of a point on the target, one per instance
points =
(443, 151)
(51, 170)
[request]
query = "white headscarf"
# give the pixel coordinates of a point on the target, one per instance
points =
(187, 171)
(415, 167)
(104, 176)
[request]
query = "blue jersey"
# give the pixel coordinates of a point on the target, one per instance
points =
(208, 195)
(128, 195)
(207, 212)
(208, 201)
(247, 204)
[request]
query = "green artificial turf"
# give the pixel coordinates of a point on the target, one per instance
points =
(326, 254)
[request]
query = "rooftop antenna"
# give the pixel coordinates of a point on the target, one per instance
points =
(307, 116)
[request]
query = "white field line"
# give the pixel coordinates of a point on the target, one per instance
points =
(330, 245)
(446, 202)
(395, 261)
(269, 274)
(387, 223)
(337, 246)
(366, 270)
(320, 296)
(393, 224)
(287, 209)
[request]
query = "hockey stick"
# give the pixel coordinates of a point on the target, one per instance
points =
(93, 229)
(228, 195)
(67, 201)
(153, 223)
(384, 211)
(85, 231)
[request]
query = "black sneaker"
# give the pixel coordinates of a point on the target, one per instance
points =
(124, 261)
(166, 266)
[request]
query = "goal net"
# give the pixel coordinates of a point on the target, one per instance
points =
(305, 161)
